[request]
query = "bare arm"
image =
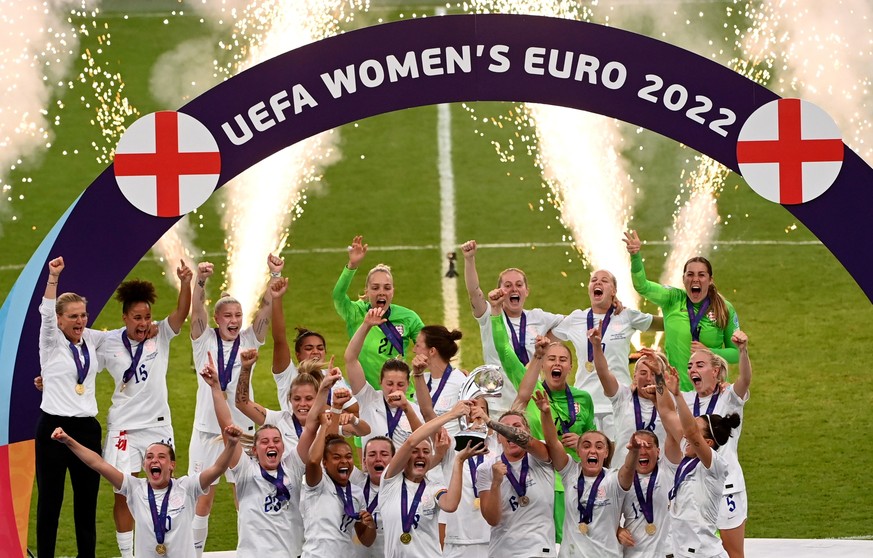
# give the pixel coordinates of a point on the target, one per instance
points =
(556, 450)
(451, 499)
(199, 319)
(692, 432)
(665, 403)
(231, 436)
(281, 347)
(428, 429)
(219, 403)
(471, 280)
(531, 375)
(183, 304)
(242, 398)
(490, 499)
(422, 395)
(521, 438)
(741, 386)
(354, 370)
(604, 374)
(626, 472)
(90, 458)
(311, 450)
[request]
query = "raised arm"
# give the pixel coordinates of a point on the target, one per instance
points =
(55, 267)
(199, 319)
(692, 432)
(531, 375)
(471, 279)
(604, 374)
(428, 429)
(89, 457)
(666, 392)
(354, 370)
(242, 398)
(231, 434)
(222, 411)
(310, 450)
(281, 347)
(557, 453)
(518, 436)
(741, 386)
(422, 395)
(262, 318)
(451, 499)
(626, 472)
(183, 304)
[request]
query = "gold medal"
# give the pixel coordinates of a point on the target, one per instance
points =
(80, 389)
(161, 549)
(589, 366)
(123, 387)
(583, 528)
(523, 501)
(650, 529)
(406, 538)
(476, 504)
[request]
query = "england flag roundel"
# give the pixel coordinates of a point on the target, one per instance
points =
(789, 151)
(167, 164)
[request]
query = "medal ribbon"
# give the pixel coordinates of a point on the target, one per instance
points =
(297, 426)
(370, 505)
(393, 418)
(282, 493)
(225, 373)
(408, 514)
(571, 409)
(390, 332)
(586, 513)
(81, 371)
(436, 395)
(519, 484)
(134, 359)
(603, 325)
(647, 503)
(159, 520)
(346, 497)
(695, 318)
(638, 415)
(709, 408)
(518, 344)
(685, 467)
(473, 464)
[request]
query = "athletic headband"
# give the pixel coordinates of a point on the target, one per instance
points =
(711, 433)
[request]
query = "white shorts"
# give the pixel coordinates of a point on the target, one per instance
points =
(203, 451)
(465, 550)
(733, 510)
(126, 449)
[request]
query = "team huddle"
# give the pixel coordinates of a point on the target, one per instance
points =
(623, 462)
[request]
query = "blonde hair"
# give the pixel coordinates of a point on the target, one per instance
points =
(509, 269)
(223, 301)
(384, 268)
(67, 298)
(718, 362)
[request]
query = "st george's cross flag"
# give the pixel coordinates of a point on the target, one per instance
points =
(789, 151)
(167, 164)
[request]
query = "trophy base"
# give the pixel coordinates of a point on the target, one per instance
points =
(472, 437)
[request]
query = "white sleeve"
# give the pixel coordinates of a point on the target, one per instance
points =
(639, 320)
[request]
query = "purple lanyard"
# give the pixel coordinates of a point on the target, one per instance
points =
(571, 409)
(519, 484)
(392, 419)
(518, 344)
(390, 332)
(694, 318)
(134, 359)
(685, 467)
(436, 395)
(81, 371)
(297, 426)
(638, 415)
(407, 514)
(225, 373)
(282, 493)
(709, 408)
(586, 513)
(473, 464)
(159, 520)
(603, 325)
(345, 497)
(647, 503)
(370, 505)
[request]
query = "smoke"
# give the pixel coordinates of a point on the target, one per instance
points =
(37, 46)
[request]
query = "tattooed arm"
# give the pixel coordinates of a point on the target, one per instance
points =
(199, 319)
(243, 400)
(522, 438)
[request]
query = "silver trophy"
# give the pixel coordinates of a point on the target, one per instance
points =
(484, 381)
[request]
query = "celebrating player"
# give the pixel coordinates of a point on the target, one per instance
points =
(400, 326)
(697, 317)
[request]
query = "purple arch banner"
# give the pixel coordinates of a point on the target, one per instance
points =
(395, 66)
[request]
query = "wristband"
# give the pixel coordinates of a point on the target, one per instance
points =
(357, 421)
(336, 411)
(275, 274)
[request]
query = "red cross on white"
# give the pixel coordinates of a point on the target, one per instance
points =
(167, 164)
(789, 151)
